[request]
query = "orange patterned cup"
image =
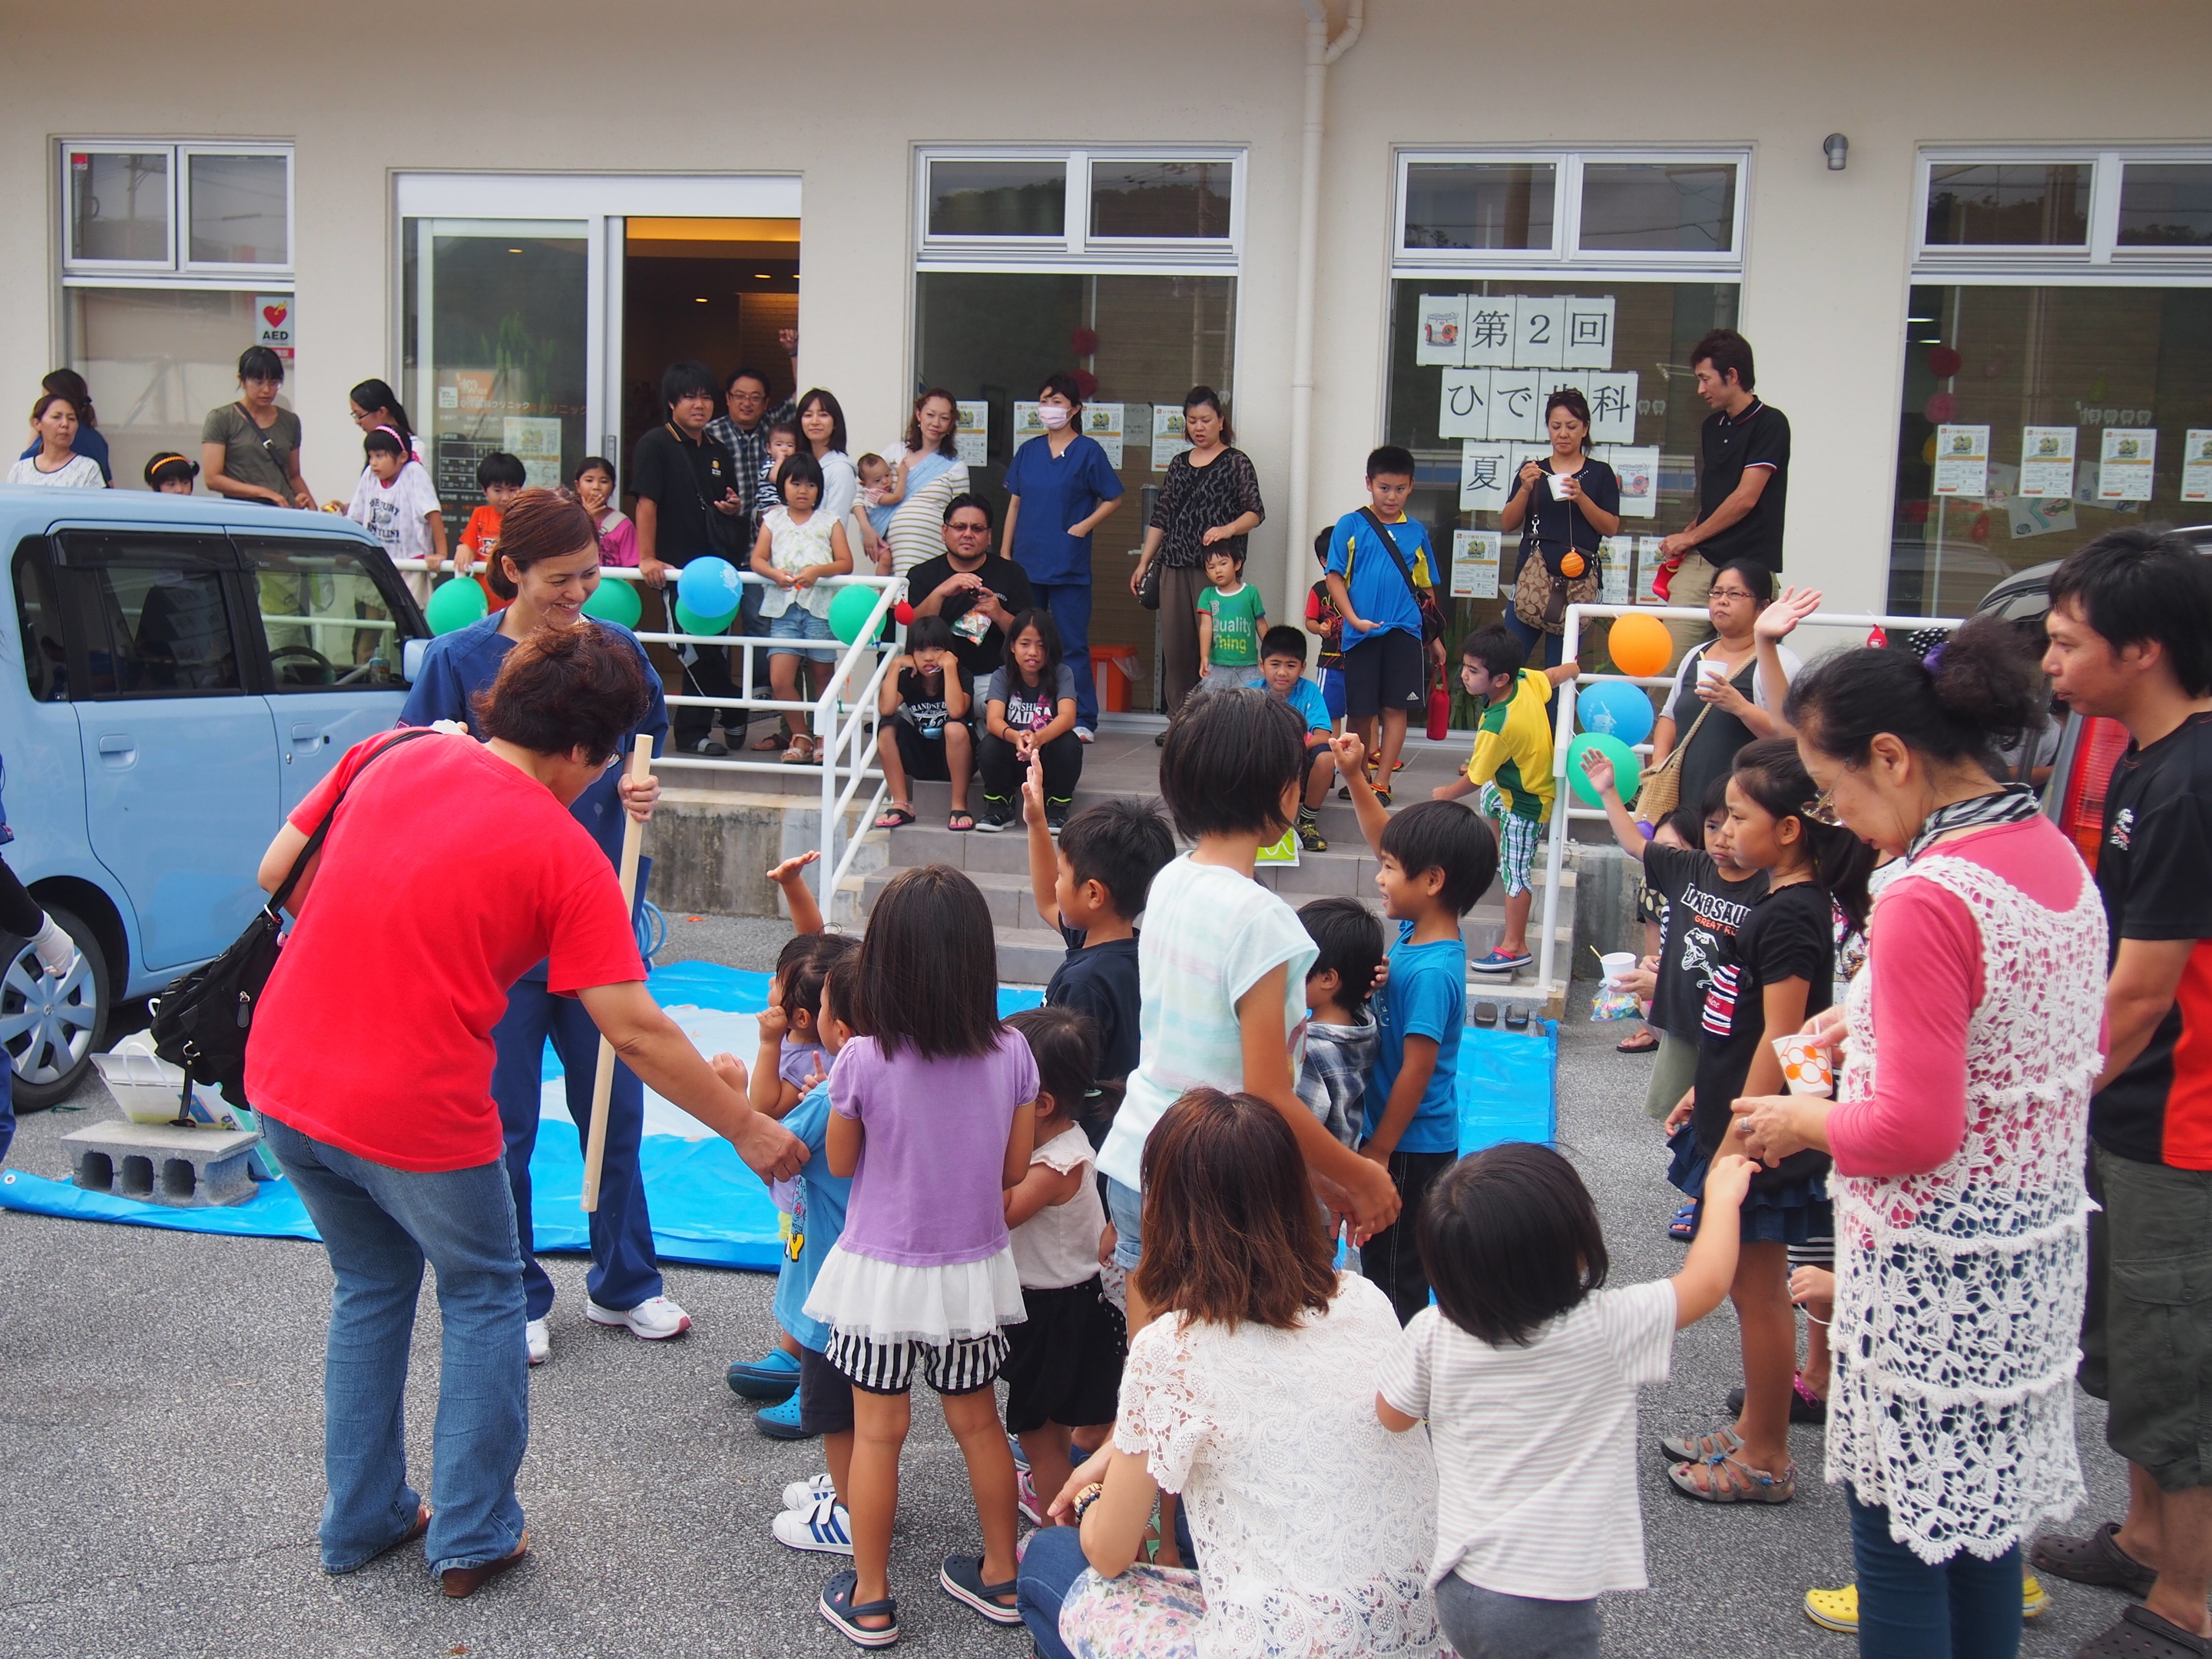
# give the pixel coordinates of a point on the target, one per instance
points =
(1804, 1066)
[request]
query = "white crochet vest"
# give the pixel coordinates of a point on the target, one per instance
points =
(1958, 1292)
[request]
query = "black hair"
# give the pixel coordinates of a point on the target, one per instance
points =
(801, 468)
(1228, 762)
(1283, 641)
(839, 990)
(688, 378)
(1689, 821)
(1985, 689)
(370, 396)
(803, 967)
(1063, 383)
(1756, 577)
(1120, 844)
(1392, 458)
(1442, 834)
(1714, 804)
(1573, 402)
(260, 362)
(382, 440)
(1772, 775)
(500, 468)
(830, 407)
(1232, 551)
(745, 372)
(1497, 650)
(1048, 635)
(1725, 349)
(990, 519)
(1064, 1043)
(71, 385)
(930, 633)
(1204, 397)
(594, 464)
(167, 463)
(1321, 544)
(1510, 1239)
(929, 967)
(1348, 937)
(2137, 584)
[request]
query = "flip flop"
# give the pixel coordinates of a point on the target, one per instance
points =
(896, 818)
(1642, 1043)
(958, 821)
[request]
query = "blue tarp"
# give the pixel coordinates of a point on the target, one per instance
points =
(1507, 1085)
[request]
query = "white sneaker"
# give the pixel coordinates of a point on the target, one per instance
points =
(652, 1319)
(826, 1529)
(1084, 734)
(805, 1494)
(538, 1343)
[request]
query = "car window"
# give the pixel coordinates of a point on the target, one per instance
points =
(328, 623)
(152, 612)
(46, 653)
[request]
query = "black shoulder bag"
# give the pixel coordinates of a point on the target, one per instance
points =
(201, 1021)
(1432, 619)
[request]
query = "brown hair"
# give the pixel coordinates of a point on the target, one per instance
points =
(929, 967)
(1232, 1231)
(538, 523)
(951, 443)
(46, 400)
(565, 688)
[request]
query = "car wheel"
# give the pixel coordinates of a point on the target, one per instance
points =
(50, 1027)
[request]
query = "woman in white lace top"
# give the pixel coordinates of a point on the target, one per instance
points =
(1252, 1393)
(1971, 1042)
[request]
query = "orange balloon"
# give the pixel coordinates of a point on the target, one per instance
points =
(1571, 566)
(1640, 645)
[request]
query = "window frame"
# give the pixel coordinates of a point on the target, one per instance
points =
(2101, 259)
(1567, 253)
(71, 261)
(188, 265)
(1077, 248)
(178, 268)
(76, 569)
(381, 576)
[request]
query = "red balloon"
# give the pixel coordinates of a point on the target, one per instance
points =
(1944, 362)
(1980, 531)
(904, 612)
(1084, 340)
(1939, 408)
(1916, 512)
(1086, 383)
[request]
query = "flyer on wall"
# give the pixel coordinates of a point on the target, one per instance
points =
(1167, 440)
(2126, 462)
(2196, 464)
(1617, 554)
(972, 437)
(1026, 424)
(1637, 467)
(2046, 463)
(1103, 422)
(1475, 563)
(1962, 461)
(1648, 556)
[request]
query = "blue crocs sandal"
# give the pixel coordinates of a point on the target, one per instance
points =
(961, 1576)
(781, 1422)
(1684, 1226)
(1499, 962)
(840, 1610)
(771, 1378)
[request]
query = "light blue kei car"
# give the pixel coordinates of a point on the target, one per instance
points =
(181, 673)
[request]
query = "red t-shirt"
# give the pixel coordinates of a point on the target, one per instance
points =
(374, 1035)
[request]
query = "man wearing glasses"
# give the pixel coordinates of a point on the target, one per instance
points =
(977, 591)
(743, 430)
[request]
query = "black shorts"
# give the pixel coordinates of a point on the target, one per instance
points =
(923, 757)
(1383, 671)
(825, 1397)
(1064, 1362)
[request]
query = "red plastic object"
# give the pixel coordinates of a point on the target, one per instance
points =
(1439, 713)
(2081, 806)
(904, 612)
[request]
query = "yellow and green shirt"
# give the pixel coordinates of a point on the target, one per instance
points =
(1513, 748)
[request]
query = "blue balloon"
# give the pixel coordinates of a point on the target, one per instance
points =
(1615, 708)
(709, 588)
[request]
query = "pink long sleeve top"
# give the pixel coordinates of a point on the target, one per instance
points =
(1925, 954)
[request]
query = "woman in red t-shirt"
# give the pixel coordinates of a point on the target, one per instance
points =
(386, 1124)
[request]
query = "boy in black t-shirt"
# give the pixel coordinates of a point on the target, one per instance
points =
(922, 731)
(1092, 887)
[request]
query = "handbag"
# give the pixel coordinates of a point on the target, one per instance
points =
(201, 1020)
(1148, 585)
(1540, 594)
(1432, 615)
(1659, 792)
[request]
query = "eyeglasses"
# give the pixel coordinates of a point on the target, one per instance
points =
(1728, 594)
(1821, 809)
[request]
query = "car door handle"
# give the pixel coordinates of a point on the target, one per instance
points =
(118, 742)
(305, 731)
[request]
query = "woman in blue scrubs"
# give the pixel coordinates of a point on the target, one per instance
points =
(547, 566)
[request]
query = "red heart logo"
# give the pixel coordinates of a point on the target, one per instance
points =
(276, 314)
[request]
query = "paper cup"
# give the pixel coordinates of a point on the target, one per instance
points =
(1617, 965)
(1559, 485)
(1804, 1067)
(1712, 673)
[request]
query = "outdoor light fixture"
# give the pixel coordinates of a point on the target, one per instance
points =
(1838, 149)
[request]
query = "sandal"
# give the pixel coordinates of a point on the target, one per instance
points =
(768, 743)
(2142, 1634)
(1730, 1481)
(845, 1614)
(801, 752)
(1644, 1042)
(960, 820)
(1684, 1227)
(962, 1578)
(2096, 1559)
(1696, 1448)
(895, 817)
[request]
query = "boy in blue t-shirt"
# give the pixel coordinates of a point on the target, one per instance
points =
(1433, 861)
(1283, 667)
(1385, 673)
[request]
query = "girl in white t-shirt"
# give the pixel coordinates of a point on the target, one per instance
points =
(1526, 1372)
(800, 543)
(396, 500)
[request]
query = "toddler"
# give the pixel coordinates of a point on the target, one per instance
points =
(784, 441)
(1340, 1035)
(1231, 618)
(500, 477)
(876, 481)
(395, 500)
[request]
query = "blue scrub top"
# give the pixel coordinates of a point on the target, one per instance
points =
(1057, 491)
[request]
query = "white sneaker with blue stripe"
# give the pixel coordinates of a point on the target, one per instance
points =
(805, 1494)
(825, 1529)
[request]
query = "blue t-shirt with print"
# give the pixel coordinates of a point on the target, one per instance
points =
(817, 1220)
(1313, 709)
(1057, 491)
(1426, 997)
(1380, 595)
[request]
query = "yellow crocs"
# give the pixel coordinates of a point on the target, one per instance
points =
(1838, 1609)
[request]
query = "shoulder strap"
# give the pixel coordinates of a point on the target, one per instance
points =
(1391, 543)
(315, 841)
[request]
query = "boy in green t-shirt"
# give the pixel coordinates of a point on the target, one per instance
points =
(1231, 619)
(1512, 767)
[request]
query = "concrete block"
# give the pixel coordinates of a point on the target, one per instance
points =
(185, 1169)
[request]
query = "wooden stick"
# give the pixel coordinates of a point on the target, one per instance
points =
(602, 1079)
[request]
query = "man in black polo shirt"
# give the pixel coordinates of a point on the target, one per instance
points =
(1743, 482)
(973, 589)
(688, 506)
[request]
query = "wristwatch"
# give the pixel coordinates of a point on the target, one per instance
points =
(1083, 1499)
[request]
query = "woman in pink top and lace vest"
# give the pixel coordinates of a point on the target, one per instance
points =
(1960, 1244)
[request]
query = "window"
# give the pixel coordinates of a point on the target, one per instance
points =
(45, 652)
(326, 625)
(240, 210)
(190, 210)
(2165, 204)
(1160, 201)
(2112, 215)
(1081, 207)
(118, 207)
(1594, 208)
(154, 614)
(2009, 205)
(998, 199)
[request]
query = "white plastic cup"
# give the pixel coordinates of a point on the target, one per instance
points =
(1617, 965)
(1805, 1069)
(1559, 485)
(1712, 673)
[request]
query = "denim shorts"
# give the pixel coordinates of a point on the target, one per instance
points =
(1125, 1208)
(797, 623)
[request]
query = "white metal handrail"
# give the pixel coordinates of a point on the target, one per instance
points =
(1563, 732)
(845, 742)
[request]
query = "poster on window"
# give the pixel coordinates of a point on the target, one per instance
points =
(1026, 424)
(1617, 554)
(2196, 464)
(1475, 563)
(2046, 463)
(1485, 485)
(1167, 440)
(1516, 410)
(2027, 515)
(1589, 325)
(1463, 408)
(535, 440)
(1103, 422)
(1962, 461)
(972, 437)
(2125, 464)
(1613, 407)
(1636, 466)
(1442, 330)
(1648, 557)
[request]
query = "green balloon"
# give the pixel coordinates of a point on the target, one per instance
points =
(848, 611)
(1627, 767)
(692, 624)
(615, 601)
(455, 604)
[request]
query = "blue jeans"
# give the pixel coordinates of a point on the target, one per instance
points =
(1125, 1208)
(1543, 649)
(1050, 1566)
(1070, 605)
(625, 1270)
(379, 1225)
(1967, 1609)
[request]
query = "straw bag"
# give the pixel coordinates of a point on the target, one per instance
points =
(1659, 790)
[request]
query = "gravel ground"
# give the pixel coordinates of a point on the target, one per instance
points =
(160, 1429)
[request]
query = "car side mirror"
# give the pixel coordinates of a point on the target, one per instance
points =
(410, 659)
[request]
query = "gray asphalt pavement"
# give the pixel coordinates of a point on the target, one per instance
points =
(160, 1475)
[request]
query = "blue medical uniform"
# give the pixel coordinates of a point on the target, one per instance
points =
(625, 1270)
(1055, 492)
